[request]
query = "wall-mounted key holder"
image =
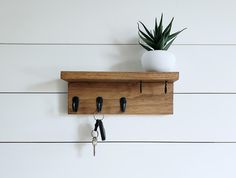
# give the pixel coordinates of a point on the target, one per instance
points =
(120, 92)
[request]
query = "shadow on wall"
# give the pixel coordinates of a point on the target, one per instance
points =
(84, 133)
(62, 105)
(127, 57)
(117, 57)
(84, 123)
(57, 85)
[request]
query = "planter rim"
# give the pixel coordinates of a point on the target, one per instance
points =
(157, 51)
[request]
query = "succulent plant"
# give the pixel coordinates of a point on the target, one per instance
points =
(157, 39)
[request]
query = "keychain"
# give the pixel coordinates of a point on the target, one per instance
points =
(95, 133)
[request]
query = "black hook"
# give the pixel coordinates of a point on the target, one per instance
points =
(123, 104)
(99, 102)
(75, 103)
(165, 87)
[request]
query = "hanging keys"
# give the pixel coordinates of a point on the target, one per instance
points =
(99, 124)
(94, 132)
(94, 140)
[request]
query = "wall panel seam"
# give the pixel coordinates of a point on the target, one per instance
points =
(119, 142)
(109, 44)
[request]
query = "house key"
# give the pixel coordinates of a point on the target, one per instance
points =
(94, 134)
(94, 140)
(94, 143)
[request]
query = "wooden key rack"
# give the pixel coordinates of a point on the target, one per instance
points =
(120, 92)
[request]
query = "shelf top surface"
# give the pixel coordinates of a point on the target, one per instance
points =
(84, 76)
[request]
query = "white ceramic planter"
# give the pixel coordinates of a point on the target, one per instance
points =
(159, 61)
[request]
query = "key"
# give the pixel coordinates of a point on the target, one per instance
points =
(94, 134)
(94, 143)
(102, 130)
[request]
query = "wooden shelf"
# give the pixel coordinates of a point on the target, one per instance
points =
(75, 76)
(145, 92)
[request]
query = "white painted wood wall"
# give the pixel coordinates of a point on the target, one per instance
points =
(39, 38)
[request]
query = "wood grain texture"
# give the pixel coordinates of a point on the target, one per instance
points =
(78, 76)
(151, 99)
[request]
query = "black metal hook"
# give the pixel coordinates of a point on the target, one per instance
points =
(99, 102)
(165, 90)
(75, 103)
(123, 104)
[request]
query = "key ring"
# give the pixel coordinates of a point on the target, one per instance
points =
(94, 133)
(96, 114)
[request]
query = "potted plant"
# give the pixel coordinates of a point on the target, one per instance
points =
(157, 42)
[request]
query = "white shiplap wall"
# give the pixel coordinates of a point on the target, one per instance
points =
(38, 139)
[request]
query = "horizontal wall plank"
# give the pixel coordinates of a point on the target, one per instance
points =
(32, 117)
(37, 68)
(106, 21)
(118, 160)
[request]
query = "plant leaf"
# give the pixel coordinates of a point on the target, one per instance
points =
(157, 38)
(144, 34)
(158, 29)
(175, 34)
(168, 28)
(155, 29)
(161, 43)
(160, 26)
(169, 44)
(148, 42)
(147, 31)
(145, 47)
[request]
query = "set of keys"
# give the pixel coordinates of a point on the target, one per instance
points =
(95, 133)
